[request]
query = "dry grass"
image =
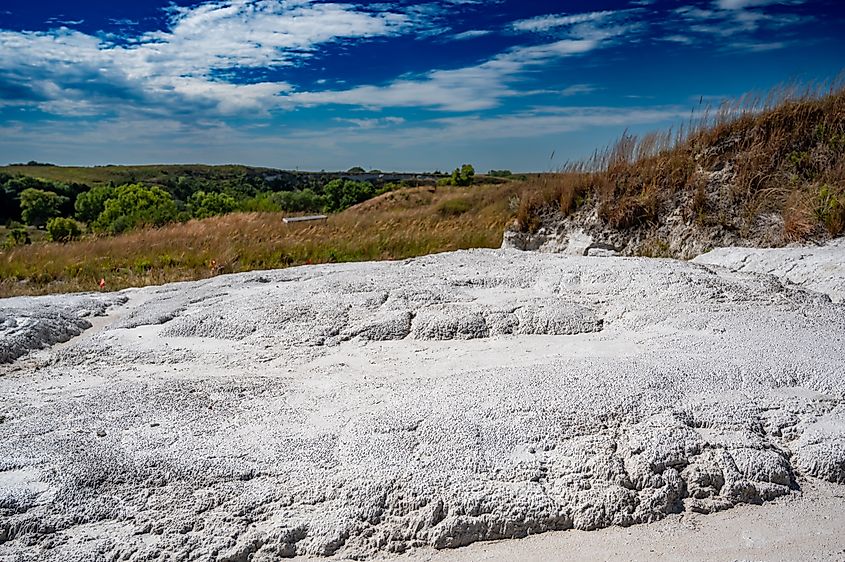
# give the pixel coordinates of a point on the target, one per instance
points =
(785, 154)
(396, 225)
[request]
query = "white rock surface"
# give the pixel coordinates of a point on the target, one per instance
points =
(28, 323)
(368, 408)
(820, 269)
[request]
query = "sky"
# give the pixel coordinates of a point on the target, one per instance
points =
(394, 85)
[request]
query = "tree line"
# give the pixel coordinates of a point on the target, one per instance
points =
(66, 210)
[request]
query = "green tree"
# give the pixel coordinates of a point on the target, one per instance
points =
(299, 201)
(356, 170)
(340, 194)
(135, 205)
(90, 204)
(500, 173)
(204, 204)
(61, 229)
(463, 176)
(38, 206)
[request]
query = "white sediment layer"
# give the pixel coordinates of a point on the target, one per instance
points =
(362, 409)
(819, 268)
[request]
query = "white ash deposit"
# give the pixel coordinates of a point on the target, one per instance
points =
(820, 268)
(357, 409)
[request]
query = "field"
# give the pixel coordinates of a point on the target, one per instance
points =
(100, 175)
(396, 225)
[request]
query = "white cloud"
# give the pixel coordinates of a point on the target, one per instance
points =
(556, 120)
(372, 123)
(471, 34)
(742, 21)
(578, 89)
(63, 70)
(759, 47)
(465, 89)
(554, 21)
(743, 4)
(258, 33)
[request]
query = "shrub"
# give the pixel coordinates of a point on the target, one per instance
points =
(341, 194)
(299, 201)
(264, 202)
(134, 205)
(17, 236)
(202, 204)
(62, 229)
(831, 210)
(90, 204)
(39, 206)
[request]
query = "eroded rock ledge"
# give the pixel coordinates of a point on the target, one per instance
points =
(349, 409)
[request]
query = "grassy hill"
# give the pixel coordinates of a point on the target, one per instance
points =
(101, 175)
(761, 172)
(399, 224)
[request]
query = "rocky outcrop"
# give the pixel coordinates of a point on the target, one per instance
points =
(362, 409)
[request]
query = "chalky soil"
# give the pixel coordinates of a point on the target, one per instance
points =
(363, 410)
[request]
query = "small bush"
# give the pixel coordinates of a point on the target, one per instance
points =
(500, 173)
(629, 212)
(798, 220)
(341, 194)
(61, 229)
(17, 236)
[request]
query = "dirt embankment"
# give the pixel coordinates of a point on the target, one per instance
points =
(752, 175)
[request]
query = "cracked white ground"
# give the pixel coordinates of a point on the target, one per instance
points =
(362, 410)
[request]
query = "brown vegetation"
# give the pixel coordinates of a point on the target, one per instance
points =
(781, 155)
(397, 225)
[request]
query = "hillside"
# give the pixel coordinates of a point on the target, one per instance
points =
(100, 175)
(399, 224)
(164, 174)
(757, 173)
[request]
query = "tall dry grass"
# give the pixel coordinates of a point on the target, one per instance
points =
(782, 153)
(397, 225)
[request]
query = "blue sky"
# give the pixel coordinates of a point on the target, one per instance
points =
(400, 85)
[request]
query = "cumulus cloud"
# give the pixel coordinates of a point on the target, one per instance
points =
(178, 66)
(197, 63)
